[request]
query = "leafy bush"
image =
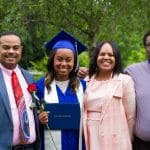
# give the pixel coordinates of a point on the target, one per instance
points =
(84, 59)
(39, 65)
(135, 56)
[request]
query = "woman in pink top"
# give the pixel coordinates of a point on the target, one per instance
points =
(109, 103)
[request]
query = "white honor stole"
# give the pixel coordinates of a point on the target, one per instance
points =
(52, 97)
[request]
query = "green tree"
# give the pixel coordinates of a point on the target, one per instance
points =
(91, 21)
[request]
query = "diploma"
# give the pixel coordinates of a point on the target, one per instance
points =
(63, 116)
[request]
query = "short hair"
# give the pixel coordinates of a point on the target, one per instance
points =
(145, 37)
(10, 33)
(93, 62)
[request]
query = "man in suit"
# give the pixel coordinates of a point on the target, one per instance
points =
(10, 56)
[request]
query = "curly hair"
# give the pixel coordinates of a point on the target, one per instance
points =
(93, 67)
(50, 75)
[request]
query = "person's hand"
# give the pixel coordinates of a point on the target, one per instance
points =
(83, 72)
(43, 117)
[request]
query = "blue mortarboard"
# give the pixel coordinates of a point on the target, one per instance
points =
(65, 40)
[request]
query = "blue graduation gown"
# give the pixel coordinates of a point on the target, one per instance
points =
(69, 138)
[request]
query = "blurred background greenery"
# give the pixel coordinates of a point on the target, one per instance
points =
(89, 20)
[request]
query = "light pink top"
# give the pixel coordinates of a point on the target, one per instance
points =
(109, 113)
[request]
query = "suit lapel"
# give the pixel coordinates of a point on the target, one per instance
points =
(26, 76)
(3, 93)
(29, 80)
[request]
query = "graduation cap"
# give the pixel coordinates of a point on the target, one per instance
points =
(65, 40)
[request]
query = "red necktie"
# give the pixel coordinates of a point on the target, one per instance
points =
(22, 111)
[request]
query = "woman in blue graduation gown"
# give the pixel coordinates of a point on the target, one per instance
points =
(61, 85)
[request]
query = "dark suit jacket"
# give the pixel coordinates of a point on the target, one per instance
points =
(6, 124)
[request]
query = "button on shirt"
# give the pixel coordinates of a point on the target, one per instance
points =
(14, 110)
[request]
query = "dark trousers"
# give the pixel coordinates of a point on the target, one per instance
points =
(139, 144)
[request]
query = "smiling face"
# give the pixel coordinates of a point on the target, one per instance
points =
(106, 59)
(63, 63)
(10, 51)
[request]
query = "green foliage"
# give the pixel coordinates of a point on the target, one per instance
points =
(39, 65)
(89, 20)
(135, 56)
(84, 59)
